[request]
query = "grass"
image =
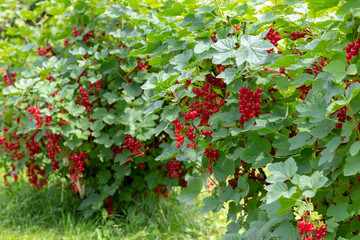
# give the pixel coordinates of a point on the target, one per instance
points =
(29, 214)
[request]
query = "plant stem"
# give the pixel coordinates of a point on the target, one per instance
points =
(207, 174)
(354, 119)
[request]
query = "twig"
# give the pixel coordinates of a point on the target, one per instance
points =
(244, 27)
(207, 175)
(220, 12)
(9, 77)
(263, 173)
(354, 119)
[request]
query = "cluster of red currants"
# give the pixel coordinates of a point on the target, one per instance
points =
(36, 113)
(67, 43)
(78, 161)
(178, 128)
(109, 206)
(213, 37)
(352, 49)
(191, 136)
(249, 103)
(53, 147)
(43, 52)
(11, 146)
(274, 37)
(297, 35)
(236, 27)
(304, 91)
(212, 156)
(174, 168)
(348, 84)
(316, 66)
(83, 99)
(132, 145)
(207, 101)
(9, 174)
(75, 32)
(97, 85)
(33, 171)
(32, 146)
(161, 190)
(341, 116)
(87, 36)
(308, 227)
(7, 80)
(142, 66)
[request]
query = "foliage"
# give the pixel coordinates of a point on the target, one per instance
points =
(260, 99)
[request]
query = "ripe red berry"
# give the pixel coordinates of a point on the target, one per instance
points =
(300, 224)
(323, 228)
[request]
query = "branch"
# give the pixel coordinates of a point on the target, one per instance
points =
(9, 76)
(354, 119)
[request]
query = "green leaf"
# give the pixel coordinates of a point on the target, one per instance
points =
(166, 154)
(351, 7)
(223, 169)
(333, 144)
(327, 155)
(281, 171)
(276, 190)
(268, 17)
(337, 68)
(180, 60)
(287, 60)
(111, 97)
(243, 185)
(211, 204)
(79, 52)
(257, 152)
(192, 191)
(355, 147)
(151, 180)
(287, 203)
(338, 211)
(176, 10)
(228, 75)
(75, 109)
(301, 139)
(233, 236)
(336, 105)
(203, 44)
(310, 184)
(252, 50)
(224, 49)
(154, 108)
(205, 9)
(352, 165)
(105, 140)
(314, 107)
(30, 15)
(103, 176)
(318, 5)
(159, 128)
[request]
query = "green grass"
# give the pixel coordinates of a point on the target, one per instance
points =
(29, 214)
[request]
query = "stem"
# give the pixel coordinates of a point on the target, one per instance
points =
(263, 173)
(244, 27)
(9, 77)
(338, 121)
(37, 26)
(220, 12)
(354, 119)
(207, 174)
